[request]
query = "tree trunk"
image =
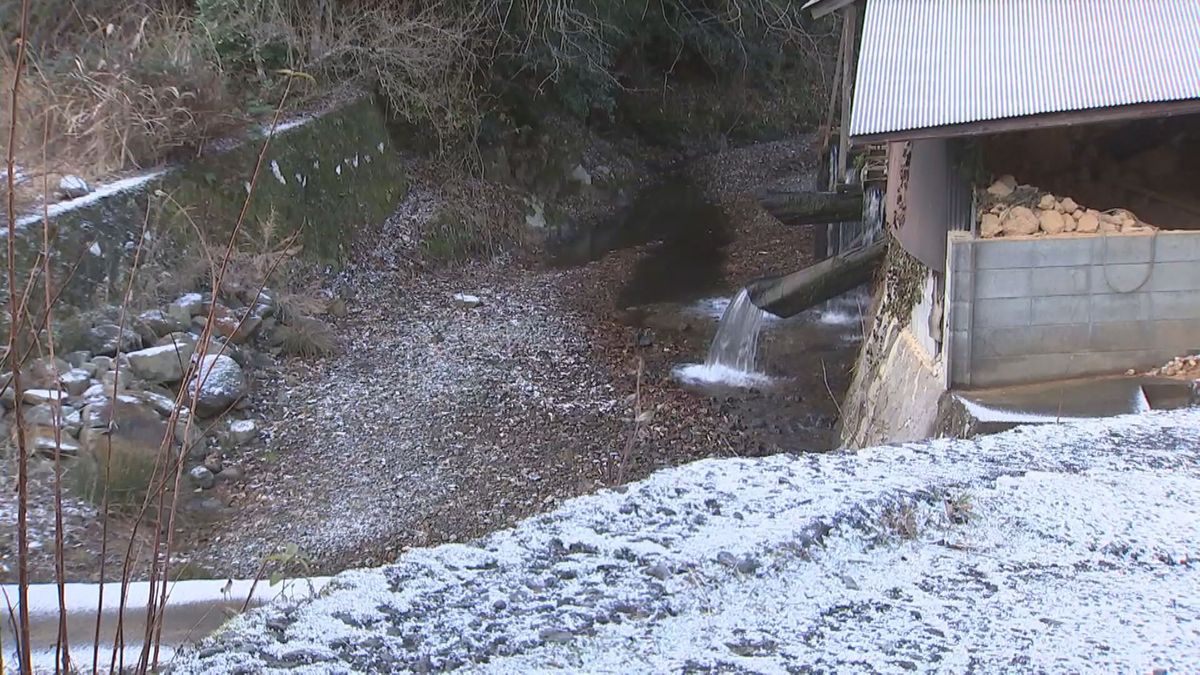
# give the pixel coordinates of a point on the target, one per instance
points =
(801, 208)
(793, 293)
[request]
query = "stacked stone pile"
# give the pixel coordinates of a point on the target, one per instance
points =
(115, 400)
(1012, 210)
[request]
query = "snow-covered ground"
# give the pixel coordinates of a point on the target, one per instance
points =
(1067, 548)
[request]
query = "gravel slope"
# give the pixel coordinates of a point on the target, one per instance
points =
(1066, 548)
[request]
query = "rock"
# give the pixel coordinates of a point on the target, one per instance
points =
(659, 571)
(201, 477)
(747, 565)
(96, 391)
(191, 304)
(75, 381)
(50, 415)
(466, 300)
(73, 187)
(1068, 205)
(1020, 221)
(989, 225)
(163, 405)
(129, 449)
(217, 385)
(213, 463)
(161, 364)
(77, 359)
(581, 175)
(115, 380)
(1070, 223)
(1108, 227)
(242, 432)
(236, 326)
(1048, 203)
(1003, 187)
(160, 323)
(39, 396)
(8, 397)
(1089, 222)
(194, 443)
(229, 474)
(554, 635)
(43, 373)
(107, 339)
(1051, 222)
(176, 338)
(41, 441)
(1131, 371)
(103, 364)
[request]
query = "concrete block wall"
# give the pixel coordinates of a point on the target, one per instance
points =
(1036, 309)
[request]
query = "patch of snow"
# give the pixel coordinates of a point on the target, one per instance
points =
(94, 249)
(985, 413)
(101, 192)
(278, 173)
(1062, 548)
(287, 125)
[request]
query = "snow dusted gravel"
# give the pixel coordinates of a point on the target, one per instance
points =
(1066, 548)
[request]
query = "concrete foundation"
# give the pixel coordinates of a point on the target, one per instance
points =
(1038, 309)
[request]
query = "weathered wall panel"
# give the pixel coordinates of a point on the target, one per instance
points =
(1028, 310)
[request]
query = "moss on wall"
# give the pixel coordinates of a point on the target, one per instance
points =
(332, 178)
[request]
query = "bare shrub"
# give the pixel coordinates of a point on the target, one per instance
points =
(306, 337)
(114, 86)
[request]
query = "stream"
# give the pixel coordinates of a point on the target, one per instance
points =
(781, 380)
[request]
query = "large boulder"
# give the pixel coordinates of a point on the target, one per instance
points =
(165, 363)
(126, 453)
(219, 382)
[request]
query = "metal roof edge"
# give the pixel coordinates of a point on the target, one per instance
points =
(1038, 121)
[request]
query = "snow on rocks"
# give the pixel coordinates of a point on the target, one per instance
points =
(219, 382)
(1009, 551)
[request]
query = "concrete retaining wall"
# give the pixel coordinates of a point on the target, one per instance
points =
(330, 177)
(1036, 309)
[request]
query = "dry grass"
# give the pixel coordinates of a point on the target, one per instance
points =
(117, 86)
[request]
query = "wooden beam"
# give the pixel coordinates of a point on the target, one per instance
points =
(850, 30)
(1041, 121)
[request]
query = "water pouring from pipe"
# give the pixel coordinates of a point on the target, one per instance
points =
(733, 356)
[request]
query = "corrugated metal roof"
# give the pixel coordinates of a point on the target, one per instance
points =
(930, 63)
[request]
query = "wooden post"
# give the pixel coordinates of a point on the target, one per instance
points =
(849, 30)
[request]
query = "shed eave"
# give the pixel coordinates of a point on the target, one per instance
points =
(1041, 121)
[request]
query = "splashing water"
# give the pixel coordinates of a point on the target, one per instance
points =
(735, 345)
(734, 350)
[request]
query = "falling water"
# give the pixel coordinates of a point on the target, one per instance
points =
(735, 345)
(733, 353)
